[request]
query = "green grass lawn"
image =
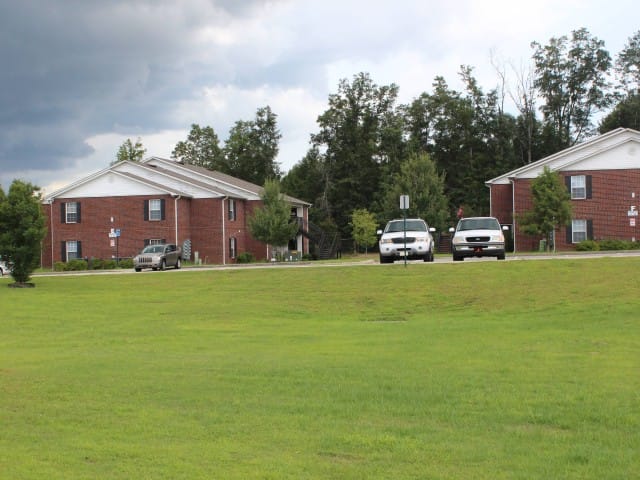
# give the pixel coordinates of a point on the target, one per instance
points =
(486, 370)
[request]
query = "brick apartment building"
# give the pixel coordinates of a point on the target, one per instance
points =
(603, 178)
(119, 210)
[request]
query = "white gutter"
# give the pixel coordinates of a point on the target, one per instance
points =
(51, 229)
(513, 211)
(175, 211)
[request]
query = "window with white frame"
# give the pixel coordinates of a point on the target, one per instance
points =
(73, 251)
(154, 241)
(578, 187)
(578, 231)
(71, 212)
(155, 209)
(232, 209)
(233, 245)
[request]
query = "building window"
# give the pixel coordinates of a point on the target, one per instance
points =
(70, 212)
(578, 231)
(154, 241)
(154, 210)
(232, 209)
(233, 245)
(578, 187)
(71, 249)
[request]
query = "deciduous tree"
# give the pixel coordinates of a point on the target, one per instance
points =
(22, 229)
(363, 228)
(252, 147)
(201, 148)
(420, 179)
(571, 77)
(551, 206)
(272, 223)
(130, 152)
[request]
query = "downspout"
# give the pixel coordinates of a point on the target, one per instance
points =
(51, 228)
(224, 234)
(175, 209)
(513, 210)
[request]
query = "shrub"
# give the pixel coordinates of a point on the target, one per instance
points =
(109, 264)
(126, 263)
(614, 244)
(59, 267)
(75, 265)
(588, 246)
(95, 264)
(245, 257)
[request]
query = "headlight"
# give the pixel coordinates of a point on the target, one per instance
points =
(386, 240)
(497, 238)
(421, 239)
(457, 239)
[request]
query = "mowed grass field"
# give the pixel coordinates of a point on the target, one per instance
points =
(480, 370)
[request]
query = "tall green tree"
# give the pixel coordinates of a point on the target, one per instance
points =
(627, 66)
(360, 135)
(625, 114)
(363, 225)
(201, 148)
(272, 223)
(420, 179)
(252, 147)
(551, 206)
(572, 79)
(22, 229)
(130, 152)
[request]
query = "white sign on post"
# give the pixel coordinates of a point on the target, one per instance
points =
(404, 202)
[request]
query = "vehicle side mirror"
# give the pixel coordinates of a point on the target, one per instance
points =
(505, 227)
(432, 229)
(451, 229)
(378, 232)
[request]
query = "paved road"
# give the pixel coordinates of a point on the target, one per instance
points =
(370, 262)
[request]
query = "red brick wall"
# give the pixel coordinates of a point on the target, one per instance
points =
(100, 215)
(502, 203)
(607, 209)
(202, 221)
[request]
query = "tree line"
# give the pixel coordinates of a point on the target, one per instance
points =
(443, 145)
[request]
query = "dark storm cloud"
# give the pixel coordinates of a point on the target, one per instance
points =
(73, 69)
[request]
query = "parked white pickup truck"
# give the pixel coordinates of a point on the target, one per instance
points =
(158, 257)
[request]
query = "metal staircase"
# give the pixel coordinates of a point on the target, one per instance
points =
(325, 244)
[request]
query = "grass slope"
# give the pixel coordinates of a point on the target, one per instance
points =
(488, 370)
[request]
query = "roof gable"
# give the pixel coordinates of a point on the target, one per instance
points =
(615, 150)
(113, 183)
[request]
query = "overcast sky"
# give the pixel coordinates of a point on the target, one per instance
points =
(79, 77)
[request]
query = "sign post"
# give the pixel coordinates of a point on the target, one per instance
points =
(115, 234)
(404, 206)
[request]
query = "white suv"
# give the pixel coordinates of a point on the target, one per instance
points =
(4, 269)
(419, 242)
(478, 237)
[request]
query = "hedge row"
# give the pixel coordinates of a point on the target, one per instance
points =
(92, 264)
(598, 245)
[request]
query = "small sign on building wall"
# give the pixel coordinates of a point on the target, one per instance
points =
(632, 222)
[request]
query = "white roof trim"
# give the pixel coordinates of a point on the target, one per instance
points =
(625, 134)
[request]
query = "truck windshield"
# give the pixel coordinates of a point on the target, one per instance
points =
(412, 225)
(478, 224)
